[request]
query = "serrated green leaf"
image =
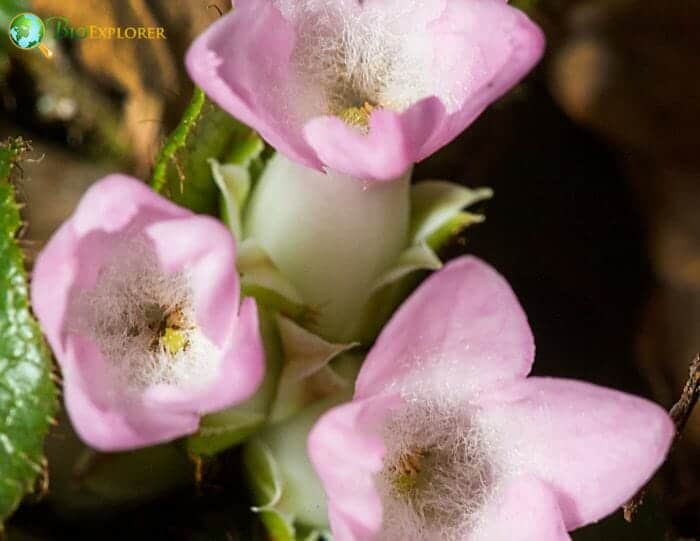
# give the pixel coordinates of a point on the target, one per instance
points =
(182, 171)
(27, 392)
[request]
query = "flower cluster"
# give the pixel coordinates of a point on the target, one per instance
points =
(445, 436)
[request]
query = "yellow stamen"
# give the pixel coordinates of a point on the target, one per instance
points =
(357, 116)
(407, 470)
(174, 340)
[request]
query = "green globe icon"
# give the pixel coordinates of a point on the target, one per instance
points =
(27, 30)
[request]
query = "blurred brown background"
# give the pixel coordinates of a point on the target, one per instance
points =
(594, 159)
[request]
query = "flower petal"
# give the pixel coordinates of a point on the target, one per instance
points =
(255, 88)
(109, 206)
(240, 373)
(594, 446)
(465, 55)
(107, 407)
(464, 321)
(206, 249)
(394, 141)
(117, 201)
(526, 510)
(108, 422)
(482, 49)
(346, 451)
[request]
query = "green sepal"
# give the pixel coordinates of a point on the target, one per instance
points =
(27, 392)
(234, 183)
(234, 178)
(393, 287)
(182, 171)
(436, 218)
(265, 481)
(416, 258)
(260, 278)
(452, 229)
(435, 206)
(284, 483)
(307, 375)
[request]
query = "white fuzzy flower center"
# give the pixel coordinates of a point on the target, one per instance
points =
(438, 474)
(355, 61)
(142, 320)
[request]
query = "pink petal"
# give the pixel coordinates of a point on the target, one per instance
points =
(240, 374)
(52, 279)
(108, 207)
(594, 446)
(346, 451)
(226, 62)
(525, 510)
(205, 247)
(91, 406)
(465, 321)
(475, 51)
(393, 144)
(483, 49)
(114, 202)
(106, 412)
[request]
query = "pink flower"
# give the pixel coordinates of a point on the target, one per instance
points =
(363, 87)
(139, 300)
(447, 439)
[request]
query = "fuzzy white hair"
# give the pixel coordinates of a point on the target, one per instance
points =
(124, 314)
(451, 468)
(349, 57)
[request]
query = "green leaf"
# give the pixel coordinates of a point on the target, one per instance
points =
(182, 171)
(27, 392)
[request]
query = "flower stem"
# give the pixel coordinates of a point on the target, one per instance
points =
(680, 413)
